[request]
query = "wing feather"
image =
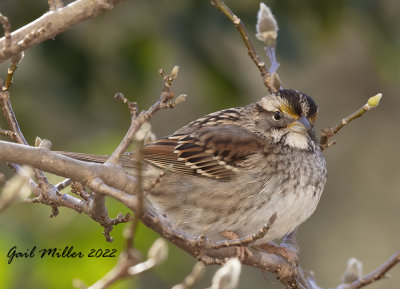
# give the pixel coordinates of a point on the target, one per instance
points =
(212, 152)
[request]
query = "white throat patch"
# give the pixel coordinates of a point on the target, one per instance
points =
(293, 139)
(297, 140)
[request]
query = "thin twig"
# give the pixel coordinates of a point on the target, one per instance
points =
(377, 274)
(132, 106)
(8, 111)
(266, 76)
(120, 271)
(139, 157)
(7, 133)
(62, 185)
(10, 117)
(128, 266)
(77, 189)
(129, 234)
(144, 116)
(329, 132)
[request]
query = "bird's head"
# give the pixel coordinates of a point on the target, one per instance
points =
(288, 117)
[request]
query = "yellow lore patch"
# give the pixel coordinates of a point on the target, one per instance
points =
(286, 109)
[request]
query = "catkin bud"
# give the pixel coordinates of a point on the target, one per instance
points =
(374, 100)
(267, 27)
(143, 132)
(174, 72)
(158, 251)
(227, 277)
(353, 271)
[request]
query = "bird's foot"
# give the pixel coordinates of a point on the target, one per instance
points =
(288, 252)
(241, 251)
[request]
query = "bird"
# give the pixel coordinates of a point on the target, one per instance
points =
(235, 169)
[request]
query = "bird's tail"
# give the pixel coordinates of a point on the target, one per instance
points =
(127, 159)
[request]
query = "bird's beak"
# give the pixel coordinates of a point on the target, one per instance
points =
(300, 125)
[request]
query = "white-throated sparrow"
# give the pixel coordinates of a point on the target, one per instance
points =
(233, 169)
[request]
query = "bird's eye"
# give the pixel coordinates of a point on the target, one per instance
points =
(277, 116)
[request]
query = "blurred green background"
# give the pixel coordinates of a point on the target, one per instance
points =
(340, 52)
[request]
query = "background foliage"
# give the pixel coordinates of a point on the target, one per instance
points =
(338, 51)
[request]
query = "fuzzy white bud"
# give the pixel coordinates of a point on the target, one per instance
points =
(17, 187)
(374, 100)
(158, 251)
(180, 99)
(174, 72)
(143, 132)
(353, 271)
(227, 277)
(267, 27)
(157, 254)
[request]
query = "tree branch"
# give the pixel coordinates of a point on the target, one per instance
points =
(375, 275)
(165, 101)
(51, 24)
(329, 132)
(271, 80)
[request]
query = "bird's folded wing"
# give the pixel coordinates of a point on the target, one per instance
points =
(212, 152)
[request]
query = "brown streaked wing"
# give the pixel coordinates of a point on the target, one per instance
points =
(210, 152)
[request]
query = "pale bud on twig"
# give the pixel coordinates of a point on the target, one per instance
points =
(38, 140)
(158, 251)
(374, 100)
(174, 72)
(143, 132)
(227, 277)
(43, 143)
(267, 27)
(353, 271)
(180, 99)
(267, 32)
(157, 254)
(16, 188)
